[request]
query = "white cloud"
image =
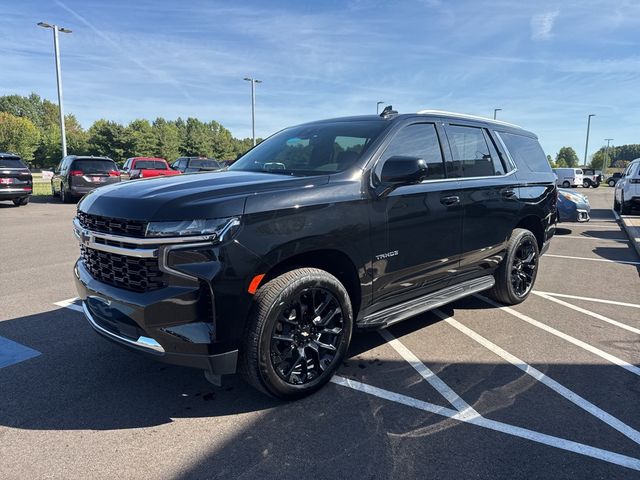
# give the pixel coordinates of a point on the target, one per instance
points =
(542, 24)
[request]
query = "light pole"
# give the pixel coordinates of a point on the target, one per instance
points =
(495, 112)
(378, 107)
(607, 159)
(56, 49)
(253, 106)
(586, 145)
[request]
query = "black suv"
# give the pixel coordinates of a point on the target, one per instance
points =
(196, 164)
(360, 222)
(77, 175)
(16, 182)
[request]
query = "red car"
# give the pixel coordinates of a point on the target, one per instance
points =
(146, 167)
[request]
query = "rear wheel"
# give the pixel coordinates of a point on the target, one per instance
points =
(20, 201)
(566, 184)
(586, 183)
(298, 333)
(517, 272)
(64, 195)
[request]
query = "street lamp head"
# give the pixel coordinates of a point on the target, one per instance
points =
(592, 114)
(44, 25)
(248, 79)
(64, 30)
(258, 81)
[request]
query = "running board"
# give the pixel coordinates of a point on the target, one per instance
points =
(397, 313)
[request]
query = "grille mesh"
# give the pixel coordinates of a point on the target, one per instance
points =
(131, 273)
(115, 226)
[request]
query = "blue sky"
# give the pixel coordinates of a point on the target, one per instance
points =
(547, 64)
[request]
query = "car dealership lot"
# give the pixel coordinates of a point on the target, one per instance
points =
(547, 389)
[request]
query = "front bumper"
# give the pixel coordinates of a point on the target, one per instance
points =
(163, 325)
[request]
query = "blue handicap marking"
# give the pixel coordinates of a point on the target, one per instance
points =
(12, 352)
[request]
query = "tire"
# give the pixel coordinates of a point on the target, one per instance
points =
(616, 205)
(64, 196)
(20, 201)
(586, 183)
(596, 185)
(522, 242)
(624, 209)
(566, 184)
(612, 183)
(270, 364)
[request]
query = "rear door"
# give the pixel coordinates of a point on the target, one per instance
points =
(89, 173)
(489, 196)
(416, 229)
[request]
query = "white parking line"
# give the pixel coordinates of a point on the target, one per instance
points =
(588, 312)
(70, 304)
(578, 237)
(588, 299)
(625, 262)
(596, 351)
(573, 397)
(433, 380)
(557, 442)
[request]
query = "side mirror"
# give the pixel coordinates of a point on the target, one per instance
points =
(399, 170)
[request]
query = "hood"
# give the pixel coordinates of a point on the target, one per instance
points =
(199, 195)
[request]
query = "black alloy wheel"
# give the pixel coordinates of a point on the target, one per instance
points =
(306, 336)
(525, 262)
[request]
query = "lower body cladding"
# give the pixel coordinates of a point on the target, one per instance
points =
(160, 299)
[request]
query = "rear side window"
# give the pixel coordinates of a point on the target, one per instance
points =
(419, 140)
(204, 163)
(94, 166)
(526, 152)
(472, 154)
(149, 165)
(11, 162)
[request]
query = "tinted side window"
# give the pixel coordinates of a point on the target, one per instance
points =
(471, 154)
(418, 140)
(526, 152)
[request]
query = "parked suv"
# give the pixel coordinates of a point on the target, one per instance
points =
(78, 175)
(196, 164)
(16, 182)
(267, 268)
(626, 195)
(591, 178)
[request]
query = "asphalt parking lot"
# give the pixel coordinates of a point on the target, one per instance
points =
(548, 389)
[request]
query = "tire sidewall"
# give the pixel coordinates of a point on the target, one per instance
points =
(521, 236)
(268, 376)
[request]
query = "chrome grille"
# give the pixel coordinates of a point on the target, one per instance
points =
(131, 273)
(114, 226)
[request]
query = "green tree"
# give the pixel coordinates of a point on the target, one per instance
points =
(139, 140)
(18, 135)
(567, 157)
(197, 139)
(108, 139)
(552, 164)
(167, 138)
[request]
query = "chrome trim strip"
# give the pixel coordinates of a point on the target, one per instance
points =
(145, 343)
(15, 190)
(506, 151)
(143, 241)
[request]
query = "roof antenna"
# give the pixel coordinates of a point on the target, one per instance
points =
(388, 112)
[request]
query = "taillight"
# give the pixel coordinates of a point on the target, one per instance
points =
(114, 173)
(76, 173)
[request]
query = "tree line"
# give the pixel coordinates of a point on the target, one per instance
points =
(29, 126)
(614, 157)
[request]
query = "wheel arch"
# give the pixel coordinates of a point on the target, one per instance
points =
(535, 225)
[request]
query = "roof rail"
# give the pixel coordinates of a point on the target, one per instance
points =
(465, 115)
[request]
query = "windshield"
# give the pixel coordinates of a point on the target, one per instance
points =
(14, 162)
(150, 165)
(205, 163)
(312, 149)
(94, 166)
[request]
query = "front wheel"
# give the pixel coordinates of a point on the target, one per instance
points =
(616, 205)
(586, 183)
(298, 333)
(624, 209)
(517, 272)
(612, 183)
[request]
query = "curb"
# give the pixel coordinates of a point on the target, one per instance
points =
(631, 226)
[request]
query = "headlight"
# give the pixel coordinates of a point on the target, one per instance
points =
(572, 197)
(216, 228)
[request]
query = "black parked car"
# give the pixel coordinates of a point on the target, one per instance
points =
(196, 164)
(16, 182)
(614, 178)
(351, 223)
(77, 175)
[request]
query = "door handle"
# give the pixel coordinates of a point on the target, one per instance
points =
(450, 200)
(509, 193)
